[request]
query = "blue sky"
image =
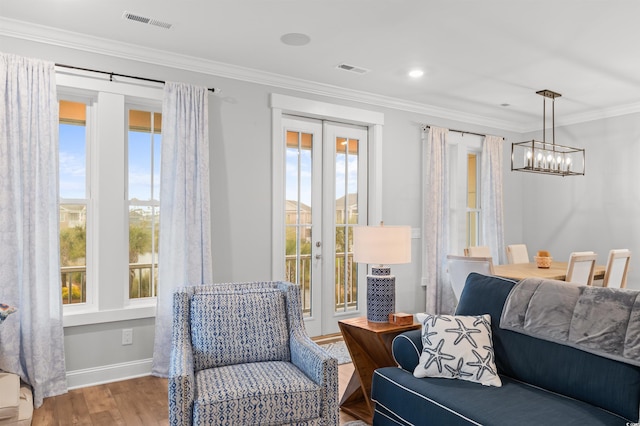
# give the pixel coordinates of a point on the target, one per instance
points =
(305, 172)
(73, 167)
(73, 163)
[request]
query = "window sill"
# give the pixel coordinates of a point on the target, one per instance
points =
(74, 319)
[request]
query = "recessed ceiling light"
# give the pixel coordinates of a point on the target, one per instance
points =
(416, 73)
(295, 39)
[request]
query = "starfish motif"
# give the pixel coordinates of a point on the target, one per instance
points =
(426, 335)
(482, 364)
(458, 372)
(436, 356)
(480, 319)
(463, 333)
(434, 318)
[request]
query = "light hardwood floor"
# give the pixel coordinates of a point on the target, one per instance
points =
(141, 401)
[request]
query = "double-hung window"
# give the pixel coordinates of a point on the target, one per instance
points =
(464, 179)
(110, 135)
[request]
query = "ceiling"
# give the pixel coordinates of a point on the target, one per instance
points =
(483, 60)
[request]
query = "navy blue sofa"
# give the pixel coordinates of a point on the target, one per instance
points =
(543, 383)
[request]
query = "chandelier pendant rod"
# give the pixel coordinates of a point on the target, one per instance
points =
(544, 123)
(553, 124)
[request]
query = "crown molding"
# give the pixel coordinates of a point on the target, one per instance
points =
(71, 40)
(96, 45)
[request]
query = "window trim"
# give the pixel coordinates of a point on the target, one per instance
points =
(109, 303)
(283, 104)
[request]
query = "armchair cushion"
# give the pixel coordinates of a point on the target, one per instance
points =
(240, 326)
(285, 394)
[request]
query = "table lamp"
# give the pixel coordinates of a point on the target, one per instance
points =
(381, 245)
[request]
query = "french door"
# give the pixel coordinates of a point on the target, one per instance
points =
(325, 197)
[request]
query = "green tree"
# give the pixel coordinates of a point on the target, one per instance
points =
(73, 245)
(139, 240)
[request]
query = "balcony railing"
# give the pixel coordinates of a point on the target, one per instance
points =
(74, 282)
(346, 283)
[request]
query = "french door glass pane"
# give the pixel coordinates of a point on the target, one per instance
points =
(298, 214)
(72, 134)
(346, 216)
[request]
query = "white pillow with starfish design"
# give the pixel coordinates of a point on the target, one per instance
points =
(457, 347)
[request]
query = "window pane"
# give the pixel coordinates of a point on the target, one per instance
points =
(73, 249)
(72, 150)
(72, 134)
(473, 230)
(144, 147)
(472, 175)
(143, 251)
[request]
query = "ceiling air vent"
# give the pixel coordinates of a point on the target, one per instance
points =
(145, 20)
(352, 68)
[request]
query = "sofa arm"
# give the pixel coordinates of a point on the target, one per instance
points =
(181, 381)
(406, 349)
(320, 367)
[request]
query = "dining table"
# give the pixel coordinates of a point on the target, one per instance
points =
(557, 271)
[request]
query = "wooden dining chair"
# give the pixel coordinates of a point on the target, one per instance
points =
(615, 274)
(460, 267)
(477, 251)
(517, 253)
(580, 267)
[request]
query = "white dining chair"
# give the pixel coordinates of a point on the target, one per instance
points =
(477, 251)
(580, 267)
(615, 274)
(517, 253)
(460, 267)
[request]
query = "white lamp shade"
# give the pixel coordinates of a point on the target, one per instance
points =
(382, 245)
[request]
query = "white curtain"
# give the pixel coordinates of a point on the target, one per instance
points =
(32, 339)
(435, 227)
(492, 222)
(185, 238)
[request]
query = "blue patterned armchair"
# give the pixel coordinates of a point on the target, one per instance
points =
(240, 356)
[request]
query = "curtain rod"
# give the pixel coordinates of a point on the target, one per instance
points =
(115, 74)
(426, 126)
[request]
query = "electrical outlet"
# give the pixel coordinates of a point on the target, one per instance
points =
(127, 336)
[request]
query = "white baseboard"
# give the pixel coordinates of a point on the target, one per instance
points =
(108, 373)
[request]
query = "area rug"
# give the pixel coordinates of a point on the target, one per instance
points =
(338, 350)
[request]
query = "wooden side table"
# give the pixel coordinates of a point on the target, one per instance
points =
(369, 345)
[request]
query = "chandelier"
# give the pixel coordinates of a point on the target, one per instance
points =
(543, 157)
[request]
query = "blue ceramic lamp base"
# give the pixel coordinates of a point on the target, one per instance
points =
(381, 294)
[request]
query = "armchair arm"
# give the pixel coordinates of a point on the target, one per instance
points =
(320, 367)
(181, 370)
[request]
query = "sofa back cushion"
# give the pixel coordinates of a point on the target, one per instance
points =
(606, 383)
(238, 326)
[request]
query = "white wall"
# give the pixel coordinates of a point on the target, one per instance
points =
(557, 214)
